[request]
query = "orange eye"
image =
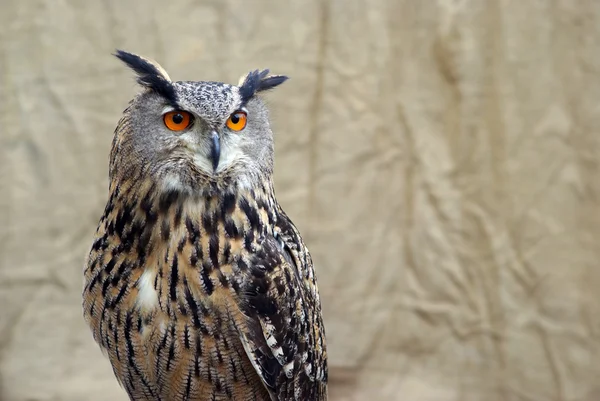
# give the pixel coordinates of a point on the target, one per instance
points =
(237, 121)
(177, 120)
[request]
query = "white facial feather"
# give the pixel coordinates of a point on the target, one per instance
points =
(203, 163)
(229, 154)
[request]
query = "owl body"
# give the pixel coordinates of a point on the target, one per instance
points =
(198, 286)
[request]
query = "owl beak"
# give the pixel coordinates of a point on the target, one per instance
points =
(215, 149)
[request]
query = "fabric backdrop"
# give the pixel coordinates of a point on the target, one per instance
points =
(441, 159)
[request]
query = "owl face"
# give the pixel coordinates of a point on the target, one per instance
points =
(189, 134)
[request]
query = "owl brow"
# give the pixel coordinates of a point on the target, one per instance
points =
(258, 81)
(149, 76)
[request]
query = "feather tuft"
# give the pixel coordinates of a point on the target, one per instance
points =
(258, 81)
(149, 74)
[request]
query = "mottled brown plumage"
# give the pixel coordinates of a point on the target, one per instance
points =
(198, 286)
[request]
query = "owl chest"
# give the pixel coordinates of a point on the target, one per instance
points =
(188, 316)
(202, 253)
(193, 271)
(187, 356)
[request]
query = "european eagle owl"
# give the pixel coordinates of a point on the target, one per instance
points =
(198, 286)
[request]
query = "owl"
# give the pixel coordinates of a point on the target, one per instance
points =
(198, 286)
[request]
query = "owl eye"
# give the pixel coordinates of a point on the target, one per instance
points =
(177, 120)
(237, 121)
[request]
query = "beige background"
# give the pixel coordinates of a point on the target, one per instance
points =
(441, 158)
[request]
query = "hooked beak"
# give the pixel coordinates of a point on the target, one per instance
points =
(215, 149)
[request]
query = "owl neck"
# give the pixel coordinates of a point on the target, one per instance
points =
(155, 221)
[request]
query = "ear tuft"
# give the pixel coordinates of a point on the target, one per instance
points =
(258, 81)
(149, 74)
(271, 82)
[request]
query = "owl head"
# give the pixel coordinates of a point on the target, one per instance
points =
(193, 136)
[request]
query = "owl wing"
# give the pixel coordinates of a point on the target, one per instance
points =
(283, 332)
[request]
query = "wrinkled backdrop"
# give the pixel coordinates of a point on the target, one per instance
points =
(441, 159)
